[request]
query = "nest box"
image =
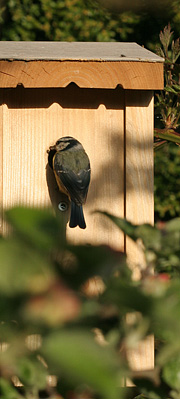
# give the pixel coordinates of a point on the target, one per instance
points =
(99, 93)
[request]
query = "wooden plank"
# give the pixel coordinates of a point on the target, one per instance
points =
(139, 165)
(105, 51)
(101, 131)
(1, 156)
(34, 120)
(142, 356)
(139, 194)
(91, 74)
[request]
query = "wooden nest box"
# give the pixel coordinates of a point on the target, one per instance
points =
(99, 93)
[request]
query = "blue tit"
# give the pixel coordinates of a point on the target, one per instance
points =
(71, 167)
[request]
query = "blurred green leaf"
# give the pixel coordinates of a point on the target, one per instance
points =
(150, 235)
(150, 387)
(127, 297)
(82, 262)
(167, 182)
(27, 371)
(41, 292)
(76, 355)
(55, 307)
(22, 269)
(126, 226)
(7, 391)
(166, 314)
(37, 227)
(171, 372)
(173, 226)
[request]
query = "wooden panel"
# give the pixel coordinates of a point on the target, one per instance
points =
(34, 119)
(139, 165)
(1, 153)
(139, 194)
(142, 356)
(127, 74)
(102, 133)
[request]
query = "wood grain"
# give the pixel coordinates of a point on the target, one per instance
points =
(139, 166)
(91, 74)
(1, 157)
(28, 132)
(139, 195)
(101, 132)
(142, 356)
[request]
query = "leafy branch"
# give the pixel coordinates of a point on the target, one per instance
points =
(167, 107)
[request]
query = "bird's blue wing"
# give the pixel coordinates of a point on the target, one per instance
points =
(75, 182)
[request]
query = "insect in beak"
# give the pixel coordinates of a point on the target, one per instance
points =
(52, 147)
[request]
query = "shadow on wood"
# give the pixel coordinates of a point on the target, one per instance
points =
(68, 97)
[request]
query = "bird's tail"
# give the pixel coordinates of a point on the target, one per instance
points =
(77, 216)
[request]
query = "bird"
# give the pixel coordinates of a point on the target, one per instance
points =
(71, 167)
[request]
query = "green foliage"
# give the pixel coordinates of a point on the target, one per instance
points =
(64, 20)
(167, 128)
(84, 340)
(7, 390)
(76, 20)
(167, 105)
(41, 280)
(167, 182)
(161, 243)
(83, 360)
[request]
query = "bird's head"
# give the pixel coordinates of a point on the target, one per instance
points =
(64, 143)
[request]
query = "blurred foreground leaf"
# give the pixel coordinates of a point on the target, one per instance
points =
(161, 242)
(75, 355)
(7, 391)
(37, 227)
(82, 262)
(27, 371)
(150, 236)
(58, 305)
(171, 372)
(22, 269)
(127, 297)
(84, 340)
